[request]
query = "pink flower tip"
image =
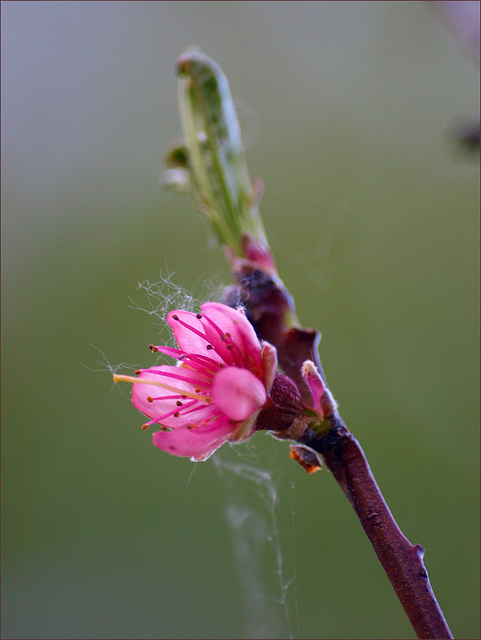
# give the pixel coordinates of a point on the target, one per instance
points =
(220, 383)
(258, 252)
(322, 400)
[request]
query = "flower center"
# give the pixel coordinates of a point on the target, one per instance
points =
(238, 393)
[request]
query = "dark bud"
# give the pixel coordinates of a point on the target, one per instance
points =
(283, 406)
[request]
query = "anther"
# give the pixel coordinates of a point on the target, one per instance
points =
(144, 427)
(150, 399)
(198, 316)
(138, 372)
(209, 346)
(153, 348)
(175, 317)
(179, 403)
(176, 415)
(198, 390)
(163, 429)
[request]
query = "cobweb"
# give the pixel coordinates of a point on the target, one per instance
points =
(166, 295)
(254, 498)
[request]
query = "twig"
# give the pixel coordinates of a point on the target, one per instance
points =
(402, 561)
(268, 306)
(211, 164)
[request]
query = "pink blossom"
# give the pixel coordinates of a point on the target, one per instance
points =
(214, 394)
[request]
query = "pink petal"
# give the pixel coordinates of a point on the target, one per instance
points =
(235, 322)
(187, 338)
(197, 443)
(269, 364)
(142, 392)
(224, 347)
(238, 393)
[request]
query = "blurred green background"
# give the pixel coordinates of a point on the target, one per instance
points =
(347, 109)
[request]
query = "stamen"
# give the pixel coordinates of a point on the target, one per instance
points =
(196, 363)
(205, 360)
(184, 413)
(213, 324)
(170, 351)
(188, 326)
(155, 383)
(175, 376)
(215, 420)
(236, 357)
(175, 412)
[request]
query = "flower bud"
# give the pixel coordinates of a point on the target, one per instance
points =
(283, 407)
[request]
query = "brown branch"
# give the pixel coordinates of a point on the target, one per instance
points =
(402, 561)
(271, 310)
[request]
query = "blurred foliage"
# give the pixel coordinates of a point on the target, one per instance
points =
(374, 222)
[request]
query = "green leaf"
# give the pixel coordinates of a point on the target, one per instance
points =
(214, 151)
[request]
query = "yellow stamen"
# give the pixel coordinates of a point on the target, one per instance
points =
(162, 385)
